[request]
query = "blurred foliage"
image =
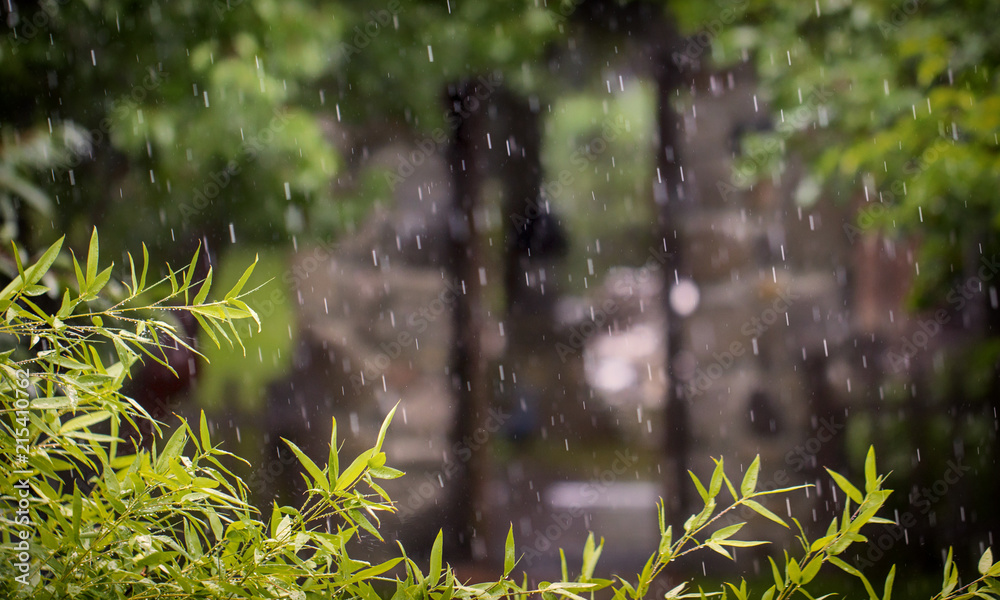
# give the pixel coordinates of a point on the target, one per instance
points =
(167, 121)
(898, 103)
(894, 105)
(180, 121)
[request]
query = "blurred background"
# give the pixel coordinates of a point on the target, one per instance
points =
(587, 245)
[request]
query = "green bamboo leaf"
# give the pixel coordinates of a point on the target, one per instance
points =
(985, 562)
(591, 553)
(509, 558)
(872, 504)
(189, 274)
(701, 595)
(627, 587)
(792, 569)
(66, 307)
(365, 524)
(890, 578)
(384, 428)
(852, 492)
(666, 541)
(68, 363)
(217, 312)
(284, 528)
(564, 589)
(740, 543)
(172, 449)
(203, 292)
(661, 515)
(779, 581)
(871, 475)
(235, 291)
(843, 566)
(126, 356)
(206, 328)
(717, 548)
(157, 558)
(203, 432)
(696, 521)
(738, 592)
(333, 463)
(351, 473)
(947, 574)
(81, 281)
(644, 578)
(236, 334)
(384, 472)
(92, 258)
(40, 268)
(100, 281)
(84, 421)
(111, 483)
(239, 304)
(35, 290)
(698, 486)
(172, 277)
(819, 544)
(17, 260)
(134, 288)
(726, 532)
(372, 572)
(841, 544)
(43, 315)
(220, 330)
(145, 268)
(77, 514)
(434, 569)
(730, 487)
(715, 486)
(319, 479)
(811, 569)
(749, 484)
(759, 509)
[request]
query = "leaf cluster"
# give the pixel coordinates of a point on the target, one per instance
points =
(96, 517)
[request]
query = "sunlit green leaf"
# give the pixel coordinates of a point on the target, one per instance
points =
(764, 512)
(871, 476)
(749, 484)
(319, 479)
(852, 492)
(93, 253)
(236, 289)
(434, 570)
(84, 421)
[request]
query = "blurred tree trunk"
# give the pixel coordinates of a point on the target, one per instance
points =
(522, 176)
(650, 26)
(467, 370)
(668, 195)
